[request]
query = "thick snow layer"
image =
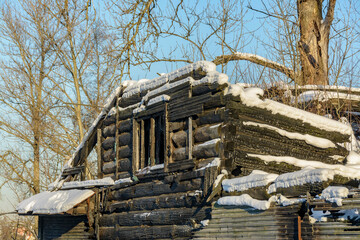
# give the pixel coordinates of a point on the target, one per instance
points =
(307, 175)
(353, 158)
(353, 145)
(244, 200)
(211, 78)
(108, 181)
(314, 141)
(324, 96)
(256, 179)
(163, 79)
(335, 194)
(123, 180)
(250, 97)
(53, 202)
(161, 98)
(342, 170)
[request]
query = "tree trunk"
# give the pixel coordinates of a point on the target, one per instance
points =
(314, 40)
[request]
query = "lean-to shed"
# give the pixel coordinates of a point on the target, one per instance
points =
(171, 147)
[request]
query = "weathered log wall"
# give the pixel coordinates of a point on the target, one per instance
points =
(242, 139)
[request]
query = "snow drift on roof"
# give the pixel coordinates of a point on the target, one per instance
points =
(257, 178)
(251, 97)
(53, 202)
(244, 200)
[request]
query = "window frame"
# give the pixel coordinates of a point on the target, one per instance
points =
(139, 136)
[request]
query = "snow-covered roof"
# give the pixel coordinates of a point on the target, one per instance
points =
(53, 202)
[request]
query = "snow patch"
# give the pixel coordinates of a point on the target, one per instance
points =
(342, 170)
(250, 97)
(257, 178)
(335, 194)
(244, 200)
(307, 175)
(123, 180)
(53, 202)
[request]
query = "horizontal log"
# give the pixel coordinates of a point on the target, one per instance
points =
(262, 141)
(177, 200)
(126, 113)
(207, 133)
(109, 131)
(126, 102)
(154, 189)
(179, 154)
(179, 139)
(108, 143)
(289, 124)
(211, 117)
(205, 150)
(108, 155)
(109, 119)
(177, 125)
(208, 87)
(181, 165)
(125, 151)
(125, 139)
(124, 164)
(146, 232)
(125, 126)
(200, 163)
(181, 176)
(168, 216)
(216, 100)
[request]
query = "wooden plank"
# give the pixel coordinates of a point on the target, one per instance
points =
(116, 147)
(152, 141)
(135, 147)
(181, 165)
(155, 189)
(73, 170)
(99, 153)
(166, 216)
(142, 144)
(172, 200)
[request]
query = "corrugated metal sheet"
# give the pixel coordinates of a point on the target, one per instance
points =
(247, 223)
(334, 227)
(63, 227)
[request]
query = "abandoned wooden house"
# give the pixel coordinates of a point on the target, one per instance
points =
(189, 155)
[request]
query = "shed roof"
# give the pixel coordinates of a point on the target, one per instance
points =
(53, 202)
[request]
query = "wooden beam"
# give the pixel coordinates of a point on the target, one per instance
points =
(116, 147)
(167, 152)
(135, 147)
(152, 141)
(142, 144)
(99, 153)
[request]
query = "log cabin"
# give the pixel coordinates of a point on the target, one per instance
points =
(190, 155)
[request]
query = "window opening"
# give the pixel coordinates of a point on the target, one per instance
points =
(159, 139)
